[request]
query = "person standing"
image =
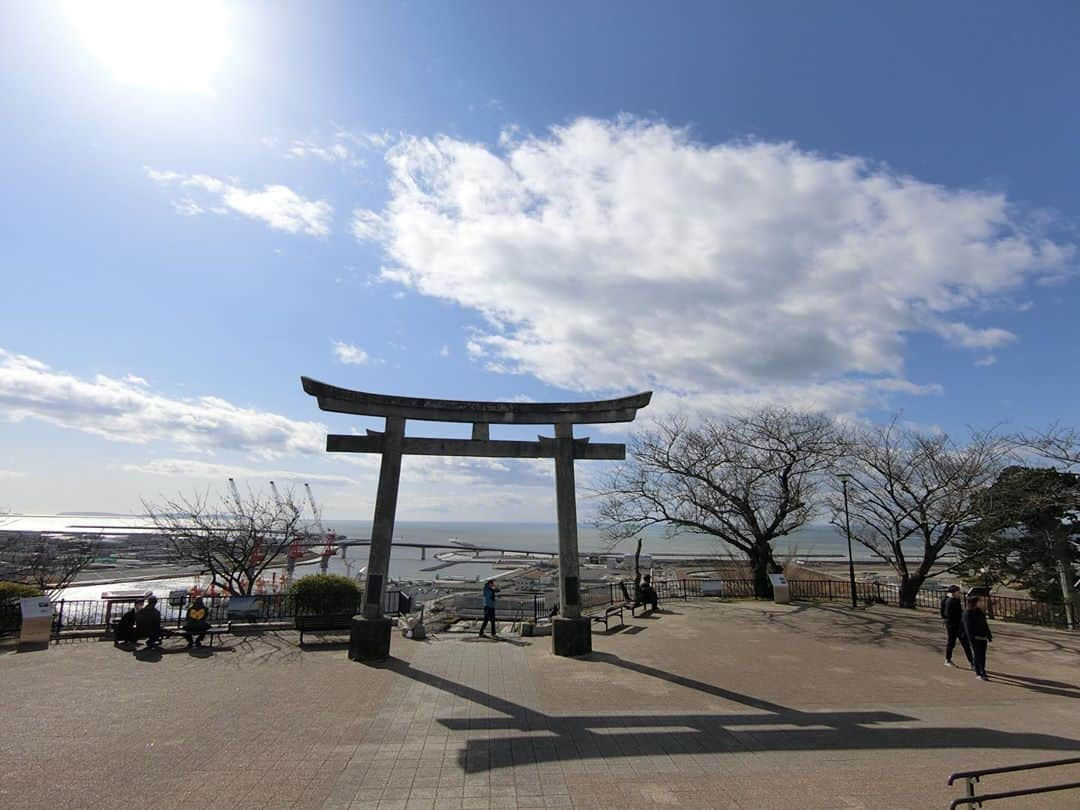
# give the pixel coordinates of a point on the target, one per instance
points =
(978, 633)
(952, 614)
(489, 607)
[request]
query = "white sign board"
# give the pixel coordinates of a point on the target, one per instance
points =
(36, 607)
(712, 587)
(781, 594)
(36, 622)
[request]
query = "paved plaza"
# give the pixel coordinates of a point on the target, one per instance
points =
(703, 705)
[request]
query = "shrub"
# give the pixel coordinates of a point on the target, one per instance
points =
(325, 593)
(10, 591)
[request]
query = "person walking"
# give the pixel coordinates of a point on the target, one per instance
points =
(489, 607)
(952, 615)
(978, 633)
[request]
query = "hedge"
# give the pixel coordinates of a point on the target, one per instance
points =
(17, 590)
(325, 594)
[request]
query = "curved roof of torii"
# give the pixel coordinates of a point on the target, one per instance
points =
(344, 400)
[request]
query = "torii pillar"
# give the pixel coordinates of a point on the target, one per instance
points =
(571, 634)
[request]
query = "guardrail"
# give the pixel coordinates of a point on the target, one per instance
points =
(971, 778)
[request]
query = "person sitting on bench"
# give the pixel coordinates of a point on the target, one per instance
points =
(125, 627)
(196, 622)
(648, 593)
(148, 623)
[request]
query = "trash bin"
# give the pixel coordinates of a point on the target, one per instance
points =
(36, 623)
(781, 592)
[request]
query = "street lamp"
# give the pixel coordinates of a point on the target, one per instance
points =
(844, 478)
(986, 586)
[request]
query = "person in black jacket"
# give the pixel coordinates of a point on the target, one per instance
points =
(148, 623)
(978, 633)
(125, 628)
(952, 614)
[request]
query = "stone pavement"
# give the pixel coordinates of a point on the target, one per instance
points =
(704, 705)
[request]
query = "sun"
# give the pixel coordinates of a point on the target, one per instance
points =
(156, 43)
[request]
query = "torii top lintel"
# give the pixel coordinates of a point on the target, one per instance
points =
(344, 400)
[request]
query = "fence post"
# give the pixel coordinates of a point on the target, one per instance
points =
(60, 618)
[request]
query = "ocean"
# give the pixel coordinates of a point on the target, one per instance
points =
(815, 540)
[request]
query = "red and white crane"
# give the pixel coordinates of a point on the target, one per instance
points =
(328, 537)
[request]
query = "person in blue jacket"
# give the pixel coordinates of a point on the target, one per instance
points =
(489, 607)
(978, 632)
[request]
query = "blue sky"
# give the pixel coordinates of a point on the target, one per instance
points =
(855, 207)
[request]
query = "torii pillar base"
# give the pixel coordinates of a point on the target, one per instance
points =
(369, 639)
(571, 637)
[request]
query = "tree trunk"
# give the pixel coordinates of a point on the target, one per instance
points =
(909, 589)
(762, 564)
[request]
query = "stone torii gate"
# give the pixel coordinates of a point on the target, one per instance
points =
(571, 634)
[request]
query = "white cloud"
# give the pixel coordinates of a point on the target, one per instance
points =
(444, 351)
(187, 207)
(351, 355)
(621, 255)
(331, 153)
(192, 468)
(960, 334)
(11, 474)
(987, 360)
(129, 411)
(278, 206)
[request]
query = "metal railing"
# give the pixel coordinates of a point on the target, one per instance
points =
(1004, 608)
(514, 606)
(93, 614)
(971, 778)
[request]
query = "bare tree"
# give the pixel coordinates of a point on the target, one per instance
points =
(745, 480)
(1057, 444)
(911, 494)
(233, 538)
(48, 562)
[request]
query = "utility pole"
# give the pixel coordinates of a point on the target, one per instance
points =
(844, 478)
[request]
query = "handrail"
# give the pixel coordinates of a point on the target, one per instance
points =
(1050, 763)
(1011, 794)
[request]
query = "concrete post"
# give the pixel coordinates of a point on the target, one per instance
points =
(571, 634)
(370, 636)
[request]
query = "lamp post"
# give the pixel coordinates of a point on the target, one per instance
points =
(844, 478)
(986, 585)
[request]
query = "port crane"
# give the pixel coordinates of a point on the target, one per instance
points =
(296, 549)
(328, 537)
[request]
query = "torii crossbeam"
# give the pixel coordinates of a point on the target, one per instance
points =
(370, 638)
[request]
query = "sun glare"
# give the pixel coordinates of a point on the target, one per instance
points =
(156, 43)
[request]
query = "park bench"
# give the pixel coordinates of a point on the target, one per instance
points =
(332, 622)
(629, 602)
(211, 633)
(605, 613)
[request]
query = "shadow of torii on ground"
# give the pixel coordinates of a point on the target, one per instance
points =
(768, 727)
